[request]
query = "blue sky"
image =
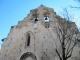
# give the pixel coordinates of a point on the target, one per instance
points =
(12, 11)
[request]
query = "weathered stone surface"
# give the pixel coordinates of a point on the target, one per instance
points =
(42, 39)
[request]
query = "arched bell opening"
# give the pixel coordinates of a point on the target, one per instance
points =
(46, 19)
(36, 19)
(27, 56)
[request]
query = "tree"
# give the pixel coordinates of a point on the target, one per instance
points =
(67, 34)
(77, 0)
(77, 7)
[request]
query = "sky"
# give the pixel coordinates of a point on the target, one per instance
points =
(12, 11)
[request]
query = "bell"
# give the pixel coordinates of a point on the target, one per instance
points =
(46, 18)
(36, 19)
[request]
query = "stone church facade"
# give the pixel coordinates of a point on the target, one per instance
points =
(33, 37)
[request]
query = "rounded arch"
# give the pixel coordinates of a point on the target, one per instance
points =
(29, 32)
(28, 54)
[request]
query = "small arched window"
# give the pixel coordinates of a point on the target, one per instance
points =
(45, 11)
(35, 12)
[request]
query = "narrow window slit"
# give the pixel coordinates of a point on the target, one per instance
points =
(28, 40)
